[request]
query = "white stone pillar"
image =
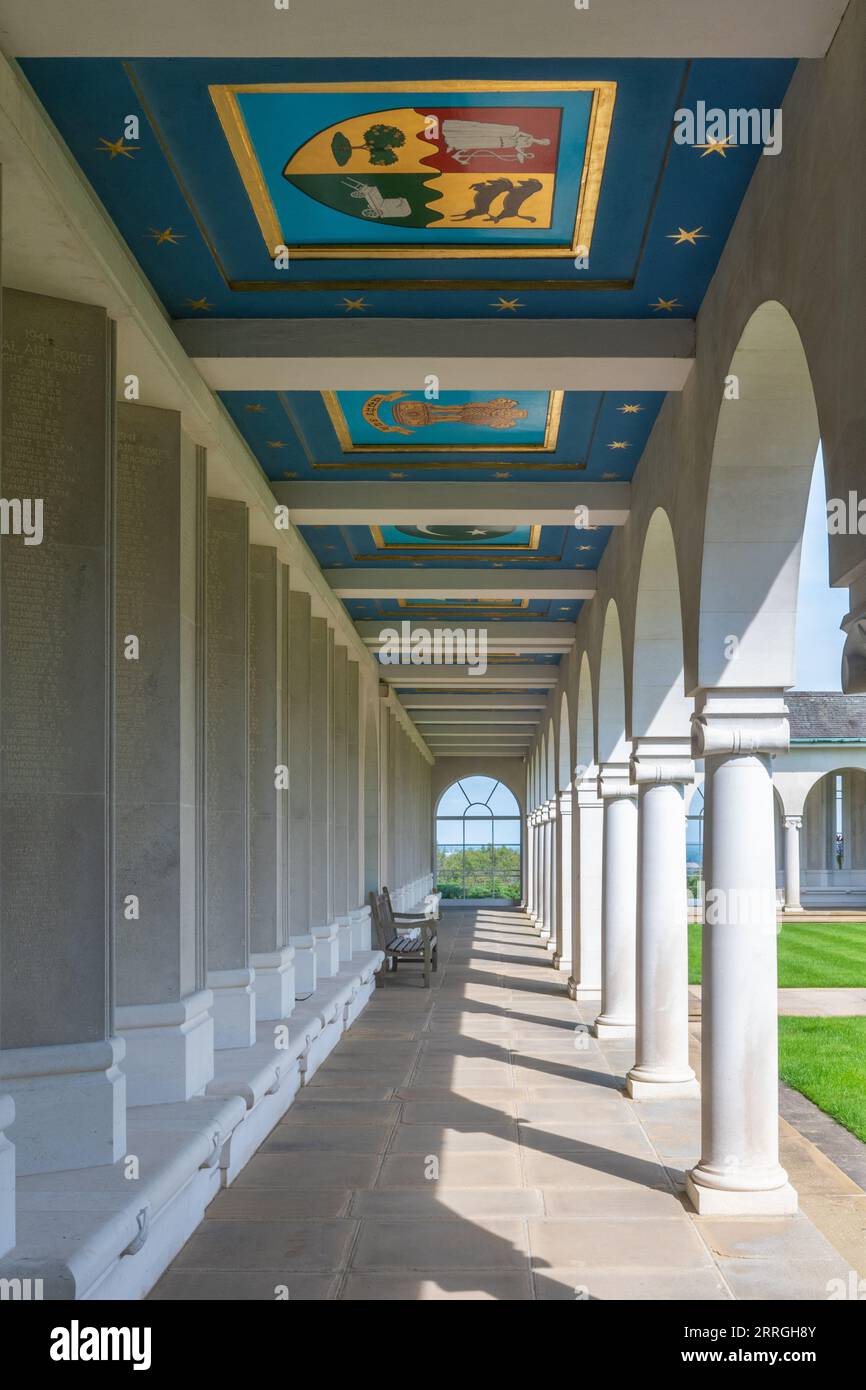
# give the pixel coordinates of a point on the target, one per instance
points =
(61, 1058)
(564, 844)
(229, 971)
(618, 903)
(300, 794)
(739, 1172)
(323, 928)
(163, 1009)
(541, 918)
(587, 851)
(533, 885)
(552, 876)
(272, 956)
(793, 826)
(662, 770)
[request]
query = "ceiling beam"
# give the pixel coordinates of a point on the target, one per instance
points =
(532, 676)
(464, 354)
(361, 583)
(521, 639)
(458, 504)
(449, 29)
(475, 700)
(441, 721)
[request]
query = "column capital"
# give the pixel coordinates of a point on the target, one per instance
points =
(613, 781)
(565, 801)
(740, 722)
(793, 822)
(552, 806)
(657, 761)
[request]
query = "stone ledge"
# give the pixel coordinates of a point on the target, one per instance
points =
(92, 1233)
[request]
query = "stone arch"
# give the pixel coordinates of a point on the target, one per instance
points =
(584, 743)
(763, 456)
(611, 743)
(564, 763)
(659, 706)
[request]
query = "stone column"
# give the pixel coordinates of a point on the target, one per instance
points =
(564, 840)
(587, 853)
(300, 794)
(618, 903)
(354, 875)
(271, 955)
(164, 1010)
(793, 826)
(229, 972)
(552, 903)
(528, 869)
(323, 928)
(61, 1059)
(662, 771)
(739, 1174)
(342, 810)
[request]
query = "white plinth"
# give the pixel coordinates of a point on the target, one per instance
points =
(275, 983)
(234, 1007)
(70, 1105)
(169, 1049)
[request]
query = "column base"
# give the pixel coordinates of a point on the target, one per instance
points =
(344, 937)
(327, 950)
(169, 1049)
(362, 924)
(787, 910)
(645, 1083)
(717, 1201)
(275, 983)
(7, 1176)
(305, 966)
(234, 1007)
(562, 965)
(612, 1028)
(70, 1105)
(579, 989)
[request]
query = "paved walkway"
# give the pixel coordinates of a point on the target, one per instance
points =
(818, 1002)
(467, 1143)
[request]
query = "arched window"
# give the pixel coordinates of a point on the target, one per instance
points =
(478, 840)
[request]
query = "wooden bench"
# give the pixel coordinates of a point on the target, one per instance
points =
(403, 936)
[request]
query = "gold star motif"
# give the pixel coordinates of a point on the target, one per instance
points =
(115, 147)
(255, 409)
(396, 475)
(666, 304)
(619, 444)
(512, 304)
(630, 409)
(502, 475)
(609, 476)
(165, 237)
(276, 443)
(681, 236)
(290, 475)
(715, 147)
(358, 305)
(201, 304)
(584, 547)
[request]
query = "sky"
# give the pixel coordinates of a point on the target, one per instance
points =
(820, 608)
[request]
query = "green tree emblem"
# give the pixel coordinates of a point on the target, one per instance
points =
(380, 141)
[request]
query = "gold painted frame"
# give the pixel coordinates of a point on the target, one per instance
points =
(450, 548)
(224, 97)
(551, 435)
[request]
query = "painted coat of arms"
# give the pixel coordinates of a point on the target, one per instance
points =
(456, 168)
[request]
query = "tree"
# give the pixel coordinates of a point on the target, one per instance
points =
(380, 141)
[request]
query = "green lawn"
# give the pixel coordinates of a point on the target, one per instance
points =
(811, 954)
(825, 1059)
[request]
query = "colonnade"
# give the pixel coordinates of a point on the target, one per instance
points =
(200, 782)
(629, 941)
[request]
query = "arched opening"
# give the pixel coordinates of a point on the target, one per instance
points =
(660, 708)
(478, 841)
(764, 452)
(585, 729)
(564, 767)
(612, 747)
(833, 841)
(371, 806)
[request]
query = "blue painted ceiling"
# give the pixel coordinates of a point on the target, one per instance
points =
(193, 210)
